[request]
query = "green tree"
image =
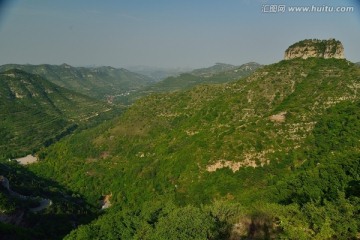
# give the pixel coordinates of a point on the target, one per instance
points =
(186, 223)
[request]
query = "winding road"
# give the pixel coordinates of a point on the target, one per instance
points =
(43, 203)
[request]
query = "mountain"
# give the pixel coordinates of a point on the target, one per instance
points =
(219, 73)
(315, 48)
(161, 73)
(157, 73)
(96, 82)
(218, 67)
(358, 63)
(261, 157)
(34, 111)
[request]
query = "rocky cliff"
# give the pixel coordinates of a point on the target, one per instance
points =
(315, 48)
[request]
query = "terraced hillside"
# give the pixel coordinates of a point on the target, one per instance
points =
(96, 82)
(277, 149)
(34, 112)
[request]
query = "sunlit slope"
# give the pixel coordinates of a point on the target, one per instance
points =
(206, 142)
(96, 82)
(34, 110)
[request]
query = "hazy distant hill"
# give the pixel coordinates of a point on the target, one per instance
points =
(162, 73)
(34, 110)
(272, 153)
(157, 73)
(218, 67)
(96, 82)
(358, 63)
(219, 73)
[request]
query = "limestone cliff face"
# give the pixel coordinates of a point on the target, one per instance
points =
(315, 48)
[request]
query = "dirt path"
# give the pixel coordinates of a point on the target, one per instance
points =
(44, 203)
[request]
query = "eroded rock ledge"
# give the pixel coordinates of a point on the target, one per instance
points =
(315, 48)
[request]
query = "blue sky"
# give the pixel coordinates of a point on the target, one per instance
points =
(166, 33)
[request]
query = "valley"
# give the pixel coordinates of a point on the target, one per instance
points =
(219, 73)
(96, 82)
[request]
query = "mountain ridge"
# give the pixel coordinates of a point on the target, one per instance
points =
(96, 82)
(158, 73)
(217, 74)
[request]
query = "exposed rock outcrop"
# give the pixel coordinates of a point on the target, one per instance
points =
(105, 203)
(315, 48)
(280, 117)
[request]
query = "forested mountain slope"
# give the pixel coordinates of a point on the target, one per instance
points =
(20, 218)
(96, 82)
(279, 150)
(34, 112)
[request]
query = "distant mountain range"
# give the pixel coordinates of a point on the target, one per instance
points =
(158, 73)
(96, 82)
(219, 73)
(34, 111)
(120, 85)
(218, 67)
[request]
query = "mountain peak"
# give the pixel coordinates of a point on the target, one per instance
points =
(315, 48)
(223, 64)
(64, 65)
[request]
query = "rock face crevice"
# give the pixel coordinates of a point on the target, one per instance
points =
(315, 48)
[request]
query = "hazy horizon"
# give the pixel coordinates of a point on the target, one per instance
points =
(166, 33)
